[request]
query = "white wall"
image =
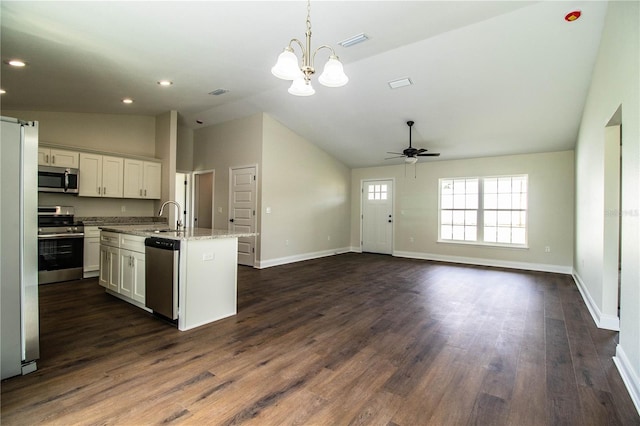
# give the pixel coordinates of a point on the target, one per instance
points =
(308, 193)
(615, 83)
(551, 194)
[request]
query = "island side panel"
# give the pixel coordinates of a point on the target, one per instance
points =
(208, 281)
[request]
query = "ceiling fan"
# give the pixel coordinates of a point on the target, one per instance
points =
(411, 154)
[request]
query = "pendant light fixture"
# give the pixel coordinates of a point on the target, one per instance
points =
(288, 67)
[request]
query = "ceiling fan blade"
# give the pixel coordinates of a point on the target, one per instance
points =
(396, 153)
(429, 154)
(421, 150)
(391, 158)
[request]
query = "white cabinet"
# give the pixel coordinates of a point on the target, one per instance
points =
(91, 264)
(142, 179)
(109, 267)
(132, 267)
(57, 157)
(132, 284)
(122, 265)
(100, 176)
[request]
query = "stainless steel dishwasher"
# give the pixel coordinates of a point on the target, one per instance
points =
(161, 276)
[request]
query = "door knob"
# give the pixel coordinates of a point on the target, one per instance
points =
(230, 220)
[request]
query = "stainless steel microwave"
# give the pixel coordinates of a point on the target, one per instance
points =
(57, 179)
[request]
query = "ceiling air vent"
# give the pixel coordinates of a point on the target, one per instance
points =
(219, 92)
(354, 40)
(395, 84)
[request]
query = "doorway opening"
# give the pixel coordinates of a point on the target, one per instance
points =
(203, 190)
(613, 223)
(183, 196)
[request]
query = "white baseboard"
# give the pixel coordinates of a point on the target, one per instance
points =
(607, 322)
(629, 377)
(300, 257)
(486, 262)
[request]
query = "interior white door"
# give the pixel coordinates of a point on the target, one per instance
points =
(242, 211)
(377, 216)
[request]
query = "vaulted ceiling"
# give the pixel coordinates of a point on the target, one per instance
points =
(489, 78)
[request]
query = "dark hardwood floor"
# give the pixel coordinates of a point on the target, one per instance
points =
(346, 340)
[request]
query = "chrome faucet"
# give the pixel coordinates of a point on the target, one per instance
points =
(179, 223)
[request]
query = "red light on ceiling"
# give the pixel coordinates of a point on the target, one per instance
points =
(572, 16)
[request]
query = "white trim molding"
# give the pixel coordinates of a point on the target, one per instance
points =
(300, 257)
(629, 377)
(486, 262)
(607, 322)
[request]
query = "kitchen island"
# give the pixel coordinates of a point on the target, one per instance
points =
(207, 271)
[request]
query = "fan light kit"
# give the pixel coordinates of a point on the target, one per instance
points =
(288, 68)
(411, 154)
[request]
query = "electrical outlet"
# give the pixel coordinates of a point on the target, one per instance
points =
(547, 249)
(286, 242)
(328, 237)
(123, 209)
(411, 239)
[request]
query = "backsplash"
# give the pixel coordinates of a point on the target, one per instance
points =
(118, 220)
(99, 207)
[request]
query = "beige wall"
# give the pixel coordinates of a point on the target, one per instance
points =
(308, 193)
(615, 83)
(219, 147)
(184, 153)
(119, 134)
(550, 214)
(166, 145)
(115, 133)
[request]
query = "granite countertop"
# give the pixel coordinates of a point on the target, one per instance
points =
(163, 231)
(121, 220)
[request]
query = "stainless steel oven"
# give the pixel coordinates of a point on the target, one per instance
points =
(60, 245)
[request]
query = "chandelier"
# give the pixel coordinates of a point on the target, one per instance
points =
(288, 67)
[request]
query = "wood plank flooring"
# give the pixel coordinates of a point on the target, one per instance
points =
(354, 339)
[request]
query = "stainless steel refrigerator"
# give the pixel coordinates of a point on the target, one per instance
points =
(20, 337)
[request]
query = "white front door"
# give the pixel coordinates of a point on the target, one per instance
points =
(242, 211)
(377, 216)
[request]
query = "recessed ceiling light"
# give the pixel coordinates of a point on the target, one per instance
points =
(165, 83)
(354, 40)
(395, 84)
(219, 92)
(127, 101)
(16, 63)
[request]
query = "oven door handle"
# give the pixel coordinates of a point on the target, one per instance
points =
(65, 235)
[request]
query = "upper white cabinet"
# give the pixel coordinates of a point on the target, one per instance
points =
(57, 157)
(142, 179)
(100, 176)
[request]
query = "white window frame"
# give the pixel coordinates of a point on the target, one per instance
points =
(481, 212)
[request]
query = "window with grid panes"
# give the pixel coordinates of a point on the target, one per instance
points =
(484, 210)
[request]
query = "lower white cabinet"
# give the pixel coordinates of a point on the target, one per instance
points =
(91, 263)
(109, 267)
(122, 265)
(132, 283)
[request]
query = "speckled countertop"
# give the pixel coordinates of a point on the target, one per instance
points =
(163, 231)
